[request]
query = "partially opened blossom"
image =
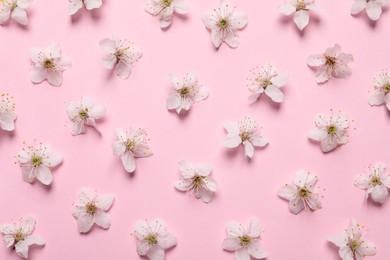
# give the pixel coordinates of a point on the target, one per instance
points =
(153, 239)
(48, 64)
(14, 9)
(121, 54)
(332, 63)
(84, 112)
(131, 144)
(186, 92)
(331, 130)
(19, 235)
(301, 194)
(196, 178)
(91, 209)
(301, 10)
(37, 162)
(268, 80)
(165, 10)
(245, 132)
(380, 94)
(245, 243)
(7, 112)
(352, 244)
(75, 5)
(224, 22)
(373, 8)
(376, 181)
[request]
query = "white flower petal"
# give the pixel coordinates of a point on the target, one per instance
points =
(142, 247)
(287, 192)
(173, 101)
(140, 229)
(108, 45)
(74, 6)
(128, 162)
(7, 121)
(23, 3)
(231, 244)
(109, 61)
(52, 160)
(167, 241)
(253, 97)
(231, 127)
(181, 7)
(317, 134)
(234, 229)
(27, 224)
(92, 4)
(38, 74)
(376, 97)
(9, 240)
(287, 9)
(238, 20)
(379, 193)
(183, 185)
(362, 182)
(78, 127)
(340, 240)
(202, 94)
(19, 15)
(86, 195)
(205, 195)
(367, 248)
(104, 201)
(123, 70)
(231, 140)
(216, 37)
(102, 219)
(358, 6)
(280, 79)
(313, 202)
(316, 60)
(323, 75)
(156, 253)
(274, 93)
(242, 254)
(7, 229)
(254, 228)
(203, 169)
(296, 205)
(328, 144)
(84, 223)
(44, 175)
(301, 19)
(34, 241)
(211, 184)
(249, 149)
(304, 178)
(374, 10)
(232, 39)
(21, 249)
(257, 251)
(97, 111)
(54, 77)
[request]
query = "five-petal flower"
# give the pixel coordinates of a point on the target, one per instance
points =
(267, 80)
(331, 131)
(373, 8)
(301, 194)
(48, 64)
(84, 112)
(301, 10)
(381, 92)
(196, 178)
(245, 243)
(186, 92)
(91, 209)
(153, 239)
(224, 22)
(333, 62)
(14, 9)
(19, 236)
(165, 9)
(131, 144)
(244, 132)
(121, 54)
(36, 162)
(7, 112)
(376, 181)
(75, 5)
(352, 245)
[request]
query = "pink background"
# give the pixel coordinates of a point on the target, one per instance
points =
(246, 188)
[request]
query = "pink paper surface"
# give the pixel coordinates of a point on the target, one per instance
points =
(246, 188)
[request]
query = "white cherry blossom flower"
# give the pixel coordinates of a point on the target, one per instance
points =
(121, 55)
(75, 5)
(196, 178)
(37, 161)
(165, 9)
(301, 194)
(7, 112)
(48, 64)
(91, 209)
(153, 239)
(267, 80)
(376, 181)
(352, 245)
(186, 92)
(131, 144)
(224, 22)
(244, 132)
(84, 112)
(373, 8)
(331, 130)
(14, 9)
(301, 10)
(244, 243)
(19, 235)
(333, 62)
(381, 92)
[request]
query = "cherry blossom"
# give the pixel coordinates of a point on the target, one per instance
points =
(7, 112)
(75, 5)
(333, 62)
(14, 9)
(165, 10)
(373, 8)
(301, 10)
(224, 22)
(381, 92)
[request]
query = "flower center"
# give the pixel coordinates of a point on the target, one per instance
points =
(245, 240)
(184, 92)
(330, 61)
(91, 208)
(166, 3)
(332, 129)
(223, 23)
(84, 113)
(304, 192)
(198, 181)
(130, 145)
(386, 87)
(151, 239)
(19, 236)
(36, 161)
(301, 6)
(375, 181)
(354, 244)
(245, 136)
(49, 64)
